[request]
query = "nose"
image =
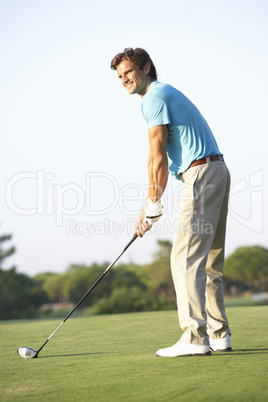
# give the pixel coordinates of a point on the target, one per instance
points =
(124, 79)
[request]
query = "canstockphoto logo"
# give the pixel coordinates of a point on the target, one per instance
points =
(246, 201)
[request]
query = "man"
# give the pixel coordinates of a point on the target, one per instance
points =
(182, 142)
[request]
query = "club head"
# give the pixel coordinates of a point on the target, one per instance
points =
(27, 353)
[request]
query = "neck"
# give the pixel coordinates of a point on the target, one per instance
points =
(147, 86)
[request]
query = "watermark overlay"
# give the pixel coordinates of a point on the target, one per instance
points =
(101, 194)
(116, 229)
(71, 199)
(249, 211)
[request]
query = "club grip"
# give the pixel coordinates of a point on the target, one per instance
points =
(131, 241)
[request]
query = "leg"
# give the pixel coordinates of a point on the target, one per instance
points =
(198, 216)
(188, 261)
(218, 326)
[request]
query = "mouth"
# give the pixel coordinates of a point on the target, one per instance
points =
(129, 85)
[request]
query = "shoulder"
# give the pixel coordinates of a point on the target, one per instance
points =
(155, 106)
(159, 93)
(155, 95)
(160, 89)
(152, 103)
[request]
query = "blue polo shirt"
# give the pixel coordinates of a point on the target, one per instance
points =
(189, 136)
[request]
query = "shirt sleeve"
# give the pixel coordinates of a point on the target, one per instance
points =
(155, 111)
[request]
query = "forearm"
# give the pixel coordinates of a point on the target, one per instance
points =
(158, 175)
(152, 208)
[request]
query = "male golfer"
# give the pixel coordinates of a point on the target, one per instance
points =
(181, 142)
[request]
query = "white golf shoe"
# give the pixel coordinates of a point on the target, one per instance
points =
(221, 345)
(184, 349)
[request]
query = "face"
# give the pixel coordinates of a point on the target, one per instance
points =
(136, 81)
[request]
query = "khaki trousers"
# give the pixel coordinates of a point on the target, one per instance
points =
(197, 255)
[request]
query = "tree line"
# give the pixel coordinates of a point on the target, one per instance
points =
(127, 288)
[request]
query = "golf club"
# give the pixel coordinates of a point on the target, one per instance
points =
(29, 353)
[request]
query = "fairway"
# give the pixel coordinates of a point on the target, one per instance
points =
(112, 358)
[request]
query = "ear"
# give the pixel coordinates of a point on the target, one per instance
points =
(147, 68)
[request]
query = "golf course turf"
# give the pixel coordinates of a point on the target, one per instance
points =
(112, 358)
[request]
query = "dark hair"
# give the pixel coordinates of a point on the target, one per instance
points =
(137, 56)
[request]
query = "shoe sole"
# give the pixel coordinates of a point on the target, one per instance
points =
(190, 355)
(222, 350)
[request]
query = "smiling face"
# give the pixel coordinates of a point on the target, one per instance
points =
(135, 80)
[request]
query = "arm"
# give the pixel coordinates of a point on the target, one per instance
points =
(157, 162)
(157, 171)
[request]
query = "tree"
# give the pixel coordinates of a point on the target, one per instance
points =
(164, 251)
(248, 266)
(20, 297)
(5, 253)
(78, 281)
(53, 285)
(157, 275)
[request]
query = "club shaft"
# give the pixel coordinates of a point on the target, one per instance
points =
(89, 290)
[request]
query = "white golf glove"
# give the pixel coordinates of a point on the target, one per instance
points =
(153, 211)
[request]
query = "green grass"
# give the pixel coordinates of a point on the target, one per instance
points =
(245, 301)
(112, 358)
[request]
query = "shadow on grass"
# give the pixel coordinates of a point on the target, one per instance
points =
(239, 352)
(77, 354)
(236, 352)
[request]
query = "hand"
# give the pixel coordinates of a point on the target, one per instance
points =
(141, 225)
(153, 211)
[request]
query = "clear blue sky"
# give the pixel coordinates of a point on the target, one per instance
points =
(74, 144)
